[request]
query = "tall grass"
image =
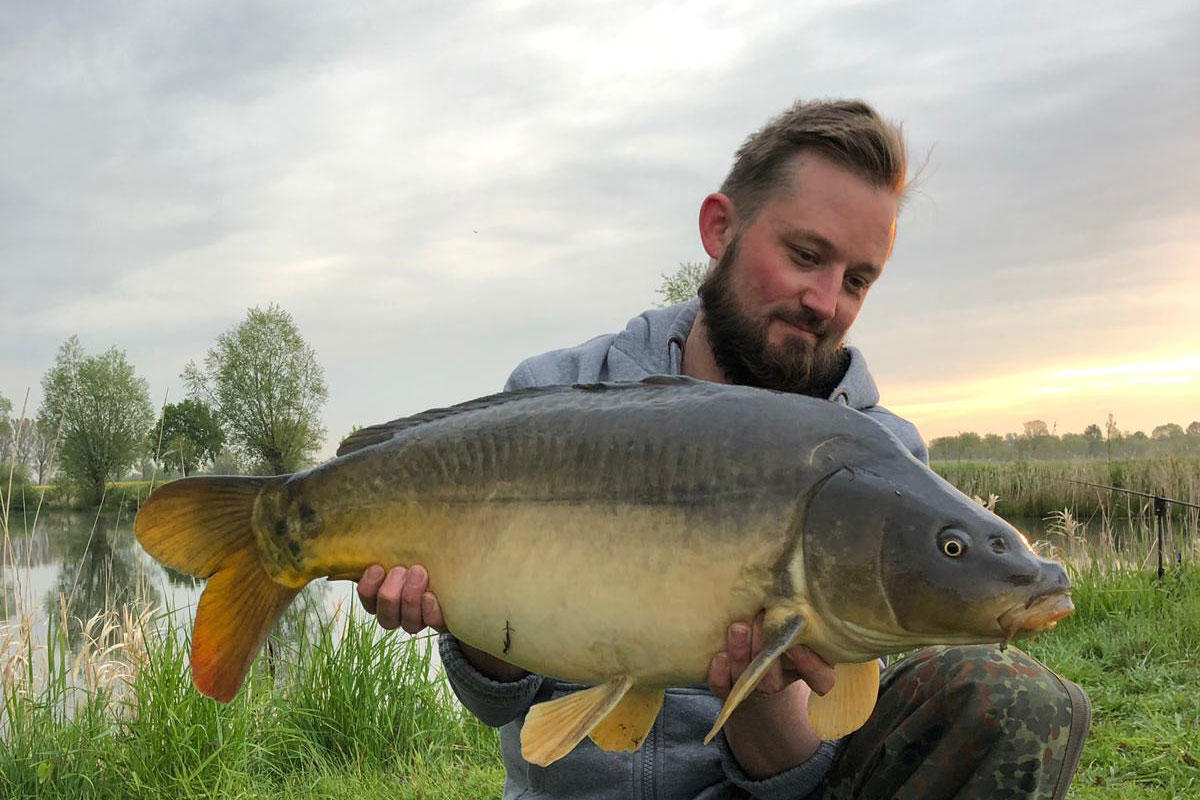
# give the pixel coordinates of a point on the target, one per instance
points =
(1035, 488)
(119, 717)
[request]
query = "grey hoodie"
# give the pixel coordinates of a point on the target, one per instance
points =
(672, 763)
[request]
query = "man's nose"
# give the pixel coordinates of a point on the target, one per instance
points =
(821, 296)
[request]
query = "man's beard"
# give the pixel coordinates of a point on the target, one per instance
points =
(741, 348)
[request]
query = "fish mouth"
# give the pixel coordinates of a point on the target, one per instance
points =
(1040, 613)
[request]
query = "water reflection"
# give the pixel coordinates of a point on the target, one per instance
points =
(94, 563)
(99, 571)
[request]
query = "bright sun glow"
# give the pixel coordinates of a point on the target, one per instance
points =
(1140, 394)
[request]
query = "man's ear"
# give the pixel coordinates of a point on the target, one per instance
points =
(718, 224)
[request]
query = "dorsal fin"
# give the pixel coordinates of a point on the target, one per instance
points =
(374, 434)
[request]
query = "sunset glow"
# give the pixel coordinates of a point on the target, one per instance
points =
(1139, 394)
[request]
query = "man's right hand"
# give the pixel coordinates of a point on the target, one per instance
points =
(400, 598)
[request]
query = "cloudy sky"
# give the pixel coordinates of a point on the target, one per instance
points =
(436, 190)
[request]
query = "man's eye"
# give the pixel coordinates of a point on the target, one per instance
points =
(805, 256)
(857, 283)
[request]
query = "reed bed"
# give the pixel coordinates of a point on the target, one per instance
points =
(1035, 488)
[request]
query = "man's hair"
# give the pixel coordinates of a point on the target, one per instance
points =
(849, 133)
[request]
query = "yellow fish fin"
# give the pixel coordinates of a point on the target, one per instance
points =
(627, 725)
(777, 639)
(552, 729)
(202, 526)
(846, 707)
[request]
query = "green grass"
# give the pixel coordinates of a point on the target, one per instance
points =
(347, 708)
(1134, 646)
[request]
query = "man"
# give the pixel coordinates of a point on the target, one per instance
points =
(797, 235)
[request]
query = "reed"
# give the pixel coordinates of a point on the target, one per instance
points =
(1035, 488)
(118, 716)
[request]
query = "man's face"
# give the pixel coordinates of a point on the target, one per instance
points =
(791, 281)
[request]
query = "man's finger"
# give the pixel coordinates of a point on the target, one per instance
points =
(431, 610)
(738, 648)
(368, 587)
(814, 670)
(719, 682)
(415, 584)
(387, 602)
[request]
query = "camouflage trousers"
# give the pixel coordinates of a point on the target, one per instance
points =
(964, 722)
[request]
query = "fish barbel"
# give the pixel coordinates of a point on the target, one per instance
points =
(609, 534)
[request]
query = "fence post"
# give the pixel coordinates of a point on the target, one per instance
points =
(1160, 515)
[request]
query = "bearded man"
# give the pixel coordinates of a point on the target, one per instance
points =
(798, 234)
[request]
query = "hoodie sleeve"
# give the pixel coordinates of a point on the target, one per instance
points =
(799, 781)
(494, 702)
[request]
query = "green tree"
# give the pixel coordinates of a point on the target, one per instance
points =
(41, 452)
(5, 410)
(266, 387)
(187, 435)
(682, 285)
(102, 410)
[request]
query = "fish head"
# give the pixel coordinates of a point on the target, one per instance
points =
(900, 558)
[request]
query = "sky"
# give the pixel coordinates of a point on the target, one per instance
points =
(437, 190)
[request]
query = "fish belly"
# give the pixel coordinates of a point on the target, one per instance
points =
(584, 591)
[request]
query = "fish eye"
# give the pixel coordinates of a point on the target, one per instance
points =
(953, 546)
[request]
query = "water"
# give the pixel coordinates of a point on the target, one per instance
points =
(93, 563)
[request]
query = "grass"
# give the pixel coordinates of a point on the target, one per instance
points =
(345, 707)
(1134, 646)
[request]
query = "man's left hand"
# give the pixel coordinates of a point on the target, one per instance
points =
(769, 731)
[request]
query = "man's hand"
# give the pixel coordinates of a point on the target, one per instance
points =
(400, 598)
(769, 732)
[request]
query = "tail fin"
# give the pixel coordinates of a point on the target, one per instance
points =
(202, 526)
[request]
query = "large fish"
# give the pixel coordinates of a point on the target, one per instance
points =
(609, 534)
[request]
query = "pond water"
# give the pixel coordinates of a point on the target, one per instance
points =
(93, 562)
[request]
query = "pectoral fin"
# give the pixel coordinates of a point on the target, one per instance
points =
(778, 639)
(846, 707)
(552, 729)
(627, 725)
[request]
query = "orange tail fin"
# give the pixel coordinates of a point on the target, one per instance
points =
(202, 526)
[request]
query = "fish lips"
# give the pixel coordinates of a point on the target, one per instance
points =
(1041, 612)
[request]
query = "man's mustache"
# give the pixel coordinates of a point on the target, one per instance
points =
(815, 325)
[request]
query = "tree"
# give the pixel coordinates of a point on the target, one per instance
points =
(187, 435)
(1035, 428)
(5, 427)
(102, 410)
(267, 389)
(683, 284)
(44, 442)
(1169, 431)
(1194, 429)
